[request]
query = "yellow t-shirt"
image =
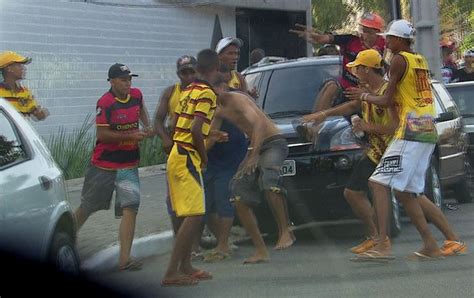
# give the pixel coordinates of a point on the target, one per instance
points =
(234, 80)
(174, 99)
(415, 102)
(197, 100)
(371, 113)
(23, 101)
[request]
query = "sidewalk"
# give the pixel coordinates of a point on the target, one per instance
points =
(97, 239)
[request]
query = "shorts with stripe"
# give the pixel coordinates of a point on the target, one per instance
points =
(403, 166)
(185, 182)
(99, 185)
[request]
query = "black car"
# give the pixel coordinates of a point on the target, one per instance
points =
(316, 174)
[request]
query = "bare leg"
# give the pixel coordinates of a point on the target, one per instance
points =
(223, 233)
(248, 220)
(362, 209)
(126, 234)
(325, 98)
(437, 217)
(414, 211)
(277, 202)
(382, 208)
(181, 254)
(81, 217)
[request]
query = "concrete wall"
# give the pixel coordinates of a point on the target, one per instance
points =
(73, 43)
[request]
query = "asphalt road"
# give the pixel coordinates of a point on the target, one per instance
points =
(321, 268)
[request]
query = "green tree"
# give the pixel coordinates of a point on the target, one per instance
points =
(330, 15)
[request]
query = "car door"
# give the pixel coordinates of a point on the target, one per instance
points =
(451, 139)
(25, 197)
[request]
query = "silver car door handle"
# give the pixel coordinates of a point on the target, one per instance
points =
(45, 182)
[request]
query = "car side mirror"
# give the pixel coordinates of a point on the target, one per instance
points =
(446, 116)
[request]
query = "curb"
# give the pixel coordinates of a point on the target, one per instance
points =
(107, 259)
(159, 169)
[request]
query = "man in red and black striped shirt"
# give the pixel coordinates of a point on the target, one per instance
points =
(114, 164)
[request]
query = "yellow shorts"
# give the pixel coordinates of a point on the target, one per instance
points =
(185, 182)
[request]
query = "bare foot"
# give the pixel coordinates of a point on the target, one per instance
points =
(286, 240)
(257, 258)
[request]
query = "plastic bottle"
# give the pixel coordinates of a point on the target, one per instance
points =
(355, 118)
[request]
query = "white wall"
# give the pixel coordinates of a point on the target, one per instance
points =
(73, 44)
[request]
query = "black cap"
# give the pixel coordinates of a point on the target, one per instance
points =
(186, 62)
(120, 70)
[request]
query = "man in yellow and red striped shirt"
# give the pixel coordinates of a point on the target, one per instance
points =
(187, 158)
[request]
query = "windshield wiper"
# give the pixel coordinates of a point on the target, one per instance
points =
(289, 113)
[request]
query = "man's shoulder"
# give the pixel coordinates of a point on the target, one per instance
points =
(135, 93)
(106, 99)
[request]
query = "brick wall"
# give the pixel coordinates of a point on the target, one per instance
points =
(73, 43)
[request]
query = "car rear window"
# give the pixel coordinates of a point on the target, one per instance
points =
(463, 97)
(294, 89)
(11, 149)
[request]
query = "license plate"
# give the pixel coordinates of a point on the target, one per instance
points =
(288, 168)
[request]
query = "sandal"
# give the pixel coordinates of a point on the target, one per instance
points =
(201, 275)
(216, 255)
(179, 282)
(132, 265)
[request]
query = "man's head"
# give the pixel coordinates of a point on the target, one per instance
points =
(186, 69)
(208, 64)
(13, 64)
(228, 50)
(120, 78)
(369, 25)
(367, 62)
(256, 55)
(400, 35)
(469, 58)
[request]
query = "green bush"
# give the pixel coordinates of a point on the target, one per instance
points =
(72, 151)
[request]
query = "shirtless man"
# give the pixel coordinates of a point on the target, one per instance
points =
(259, 171)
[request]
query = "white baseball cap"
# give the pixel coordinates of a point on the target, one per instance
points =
(226, 41)
(401, 28)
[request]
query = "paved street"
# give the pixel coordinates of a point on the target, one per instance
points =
(321, 268)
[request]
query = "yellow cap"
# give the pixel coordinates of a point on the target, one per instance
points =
(9, 57)
(370, 58)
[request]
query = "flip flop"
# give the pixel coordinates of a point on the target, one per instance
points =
(201, 275)
(215, 255)
(260, 261)
(419, 257)
(179, 282)
(132, 265)
(372, 256)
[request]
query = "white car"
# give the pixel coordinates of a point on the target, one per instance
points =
(36, 219)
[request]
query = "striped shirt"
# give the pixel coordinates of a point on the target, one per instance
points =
(22, 100)
(197, 100)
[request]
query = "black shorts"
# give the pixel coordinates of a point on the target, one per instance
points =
(363, 169)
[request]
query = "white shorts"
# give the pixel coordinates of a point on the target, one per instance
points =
(403, 166)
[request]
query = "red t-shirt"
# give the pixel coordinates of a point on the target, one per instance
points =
(350, 46)
(122, 116)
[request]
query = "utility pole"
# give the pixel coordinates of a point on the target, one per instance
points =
(426, 21)
(395, 9)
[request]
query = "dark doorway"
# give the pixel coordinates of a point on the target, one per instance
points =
(268, 30)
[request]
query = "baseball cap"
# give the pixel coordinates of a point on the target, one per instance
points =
(401, 28)
(372, 20)
(120, 70)
(9, 57)
(226, 41)
(186, 62)
(370, 58)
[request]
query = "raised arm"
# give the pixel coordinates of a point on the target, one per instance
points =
(310, 35)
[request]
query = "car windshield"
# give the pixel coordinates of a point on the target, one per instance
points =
(294, 89)
(462, 95)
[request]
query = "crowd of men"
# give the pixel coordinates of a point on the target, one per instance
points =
(208, 121)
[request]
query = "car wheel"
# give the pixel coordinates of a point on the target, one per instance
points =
(433, 189)
(63, 254)
(395, 223)
(462, 190)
